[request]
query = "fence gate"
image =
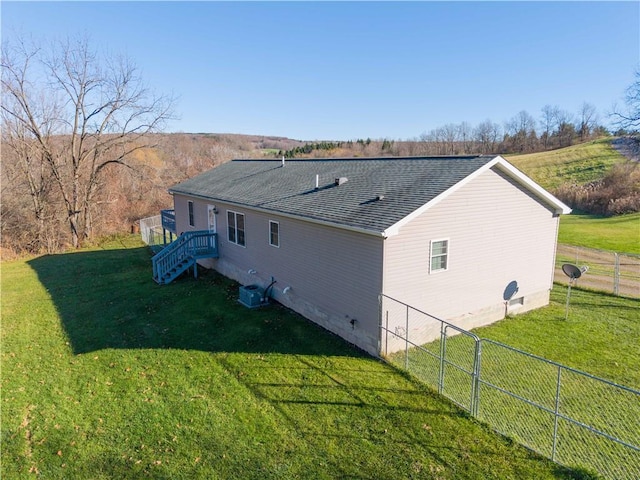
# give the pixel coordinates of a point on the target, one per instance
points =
(419, 343)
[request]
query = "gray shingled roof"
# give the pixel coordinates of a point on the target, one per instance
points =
(405, 183)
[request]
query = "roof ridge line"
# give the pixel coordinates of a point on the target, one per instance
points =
(336, 159)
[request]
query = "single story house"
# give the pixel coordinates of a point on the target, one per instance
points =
(466, 239)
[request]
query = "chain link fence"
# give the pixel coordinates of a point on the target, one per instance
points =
(612, 272)
(151, 232)
(569, 416)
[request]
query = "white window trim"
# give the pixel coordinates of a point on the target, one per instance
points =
(236, 228)
(211, 209)
(448, 255)
(278, 224)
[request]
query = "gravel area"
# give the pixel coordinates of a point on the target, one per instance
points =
(628, 147)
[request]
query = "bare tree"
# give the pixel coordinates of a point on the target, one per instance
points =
(629, 118)
(564, 130)
(450, 136)
(487, 134)
(431, 143)
(465, 132)
(520, 132)
(587, 121)
(24, 172)
(547, 123)
(79, 114)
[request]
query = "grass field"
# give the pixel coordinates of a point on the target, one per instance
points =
(619, 234)
(581, 164)
(269, 151)
(518, 393)
(600, 336)
(107, 375)
(576, 164)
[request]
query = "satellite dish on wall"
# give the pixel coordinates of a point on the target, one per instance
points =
(510, 291)
(574, 273)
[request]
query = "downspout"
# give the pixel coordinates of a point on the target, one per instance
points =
(381, 298)
(555, 249)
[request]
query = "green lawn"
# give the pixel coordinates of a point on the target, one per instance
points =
(600, 337)
(107, 375)
(620, 234)
(579, 163)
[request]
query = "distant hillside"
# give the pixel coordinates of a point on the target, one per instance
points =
(194, 153)
(591, 177)
(582, 175)
(258, 143)
(580, 164)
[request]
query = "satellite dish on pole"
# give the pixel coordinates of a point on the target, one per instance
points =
(574, 273)
(571, 271)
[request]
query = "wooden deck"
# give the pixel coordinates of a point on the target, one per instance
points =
(168, 220)
(182, 254)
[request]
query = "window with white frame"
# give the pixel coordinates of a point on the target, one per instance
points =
(235, 227)
(192, 222)
(274, 233)
(438, 256)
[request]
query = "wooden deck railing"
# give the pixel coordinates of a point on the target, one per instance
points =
(168, 220)
(183, 252)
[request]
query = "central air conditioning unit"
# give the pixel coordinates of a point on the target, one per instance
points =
(251, 296)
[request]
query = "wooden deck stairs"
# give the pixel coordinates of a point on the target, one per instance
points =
(183, 253)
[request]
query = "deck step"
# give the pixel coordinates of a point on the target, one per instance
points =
(181, 254)
(177, 270)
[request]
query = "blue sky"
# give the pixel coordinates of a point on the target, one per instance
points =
(347, 70)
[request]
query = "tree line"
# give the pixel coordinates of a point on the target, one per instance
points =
(83, 154)
(554, 128)
(523, 133)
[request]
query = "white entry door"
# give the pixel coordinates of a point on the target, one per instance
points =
(211, 214)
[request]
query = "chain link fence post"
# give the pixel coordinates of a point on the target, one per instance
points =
(443, 353)
(555, 416)
(406, 334)
(616, 274)
(611, 272)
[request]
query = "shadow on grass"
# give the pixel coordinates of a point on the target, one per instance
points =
(107, 299)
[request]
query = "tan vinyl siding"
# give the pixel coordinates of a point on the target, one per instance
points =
(497, 234)
(334, 275)
(181, 207)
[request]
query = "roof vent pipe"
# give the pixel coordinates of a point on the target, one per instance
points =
(283, 160)
(317, 180)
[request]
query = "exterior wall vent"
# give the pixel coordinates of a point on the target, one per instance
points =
(341, 180)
